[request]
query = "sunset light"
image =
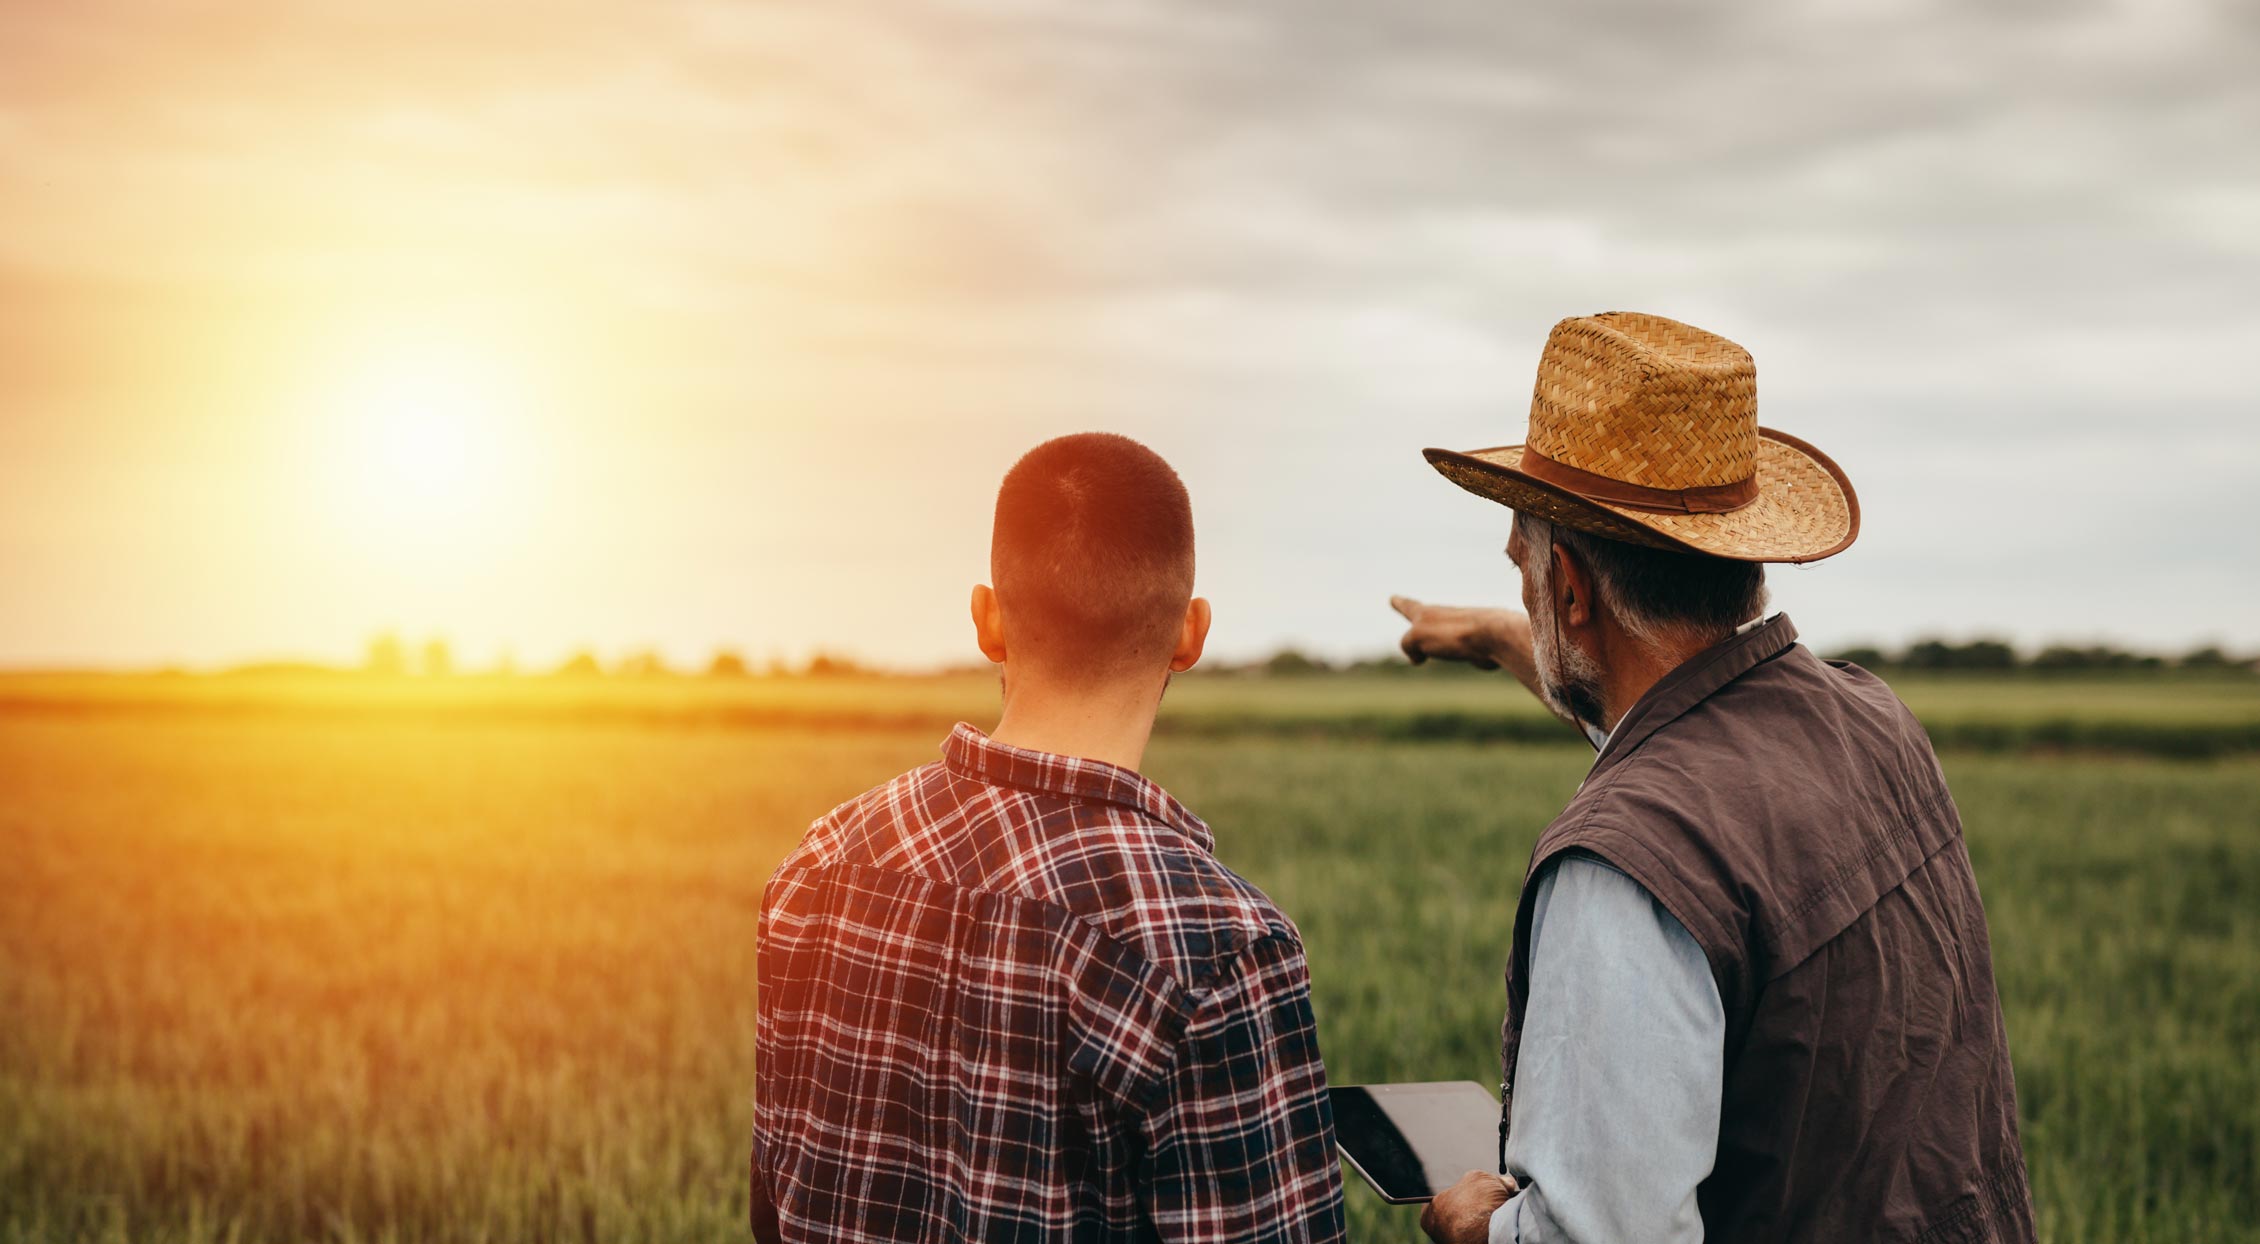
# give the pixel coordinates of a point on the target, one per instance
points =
(714, 621)
(431, 439)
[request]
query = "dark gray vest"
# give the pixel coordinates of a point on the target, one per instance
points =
(1791, 814)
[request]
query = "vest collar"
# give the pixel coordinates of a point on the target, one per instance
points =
(1694, 681)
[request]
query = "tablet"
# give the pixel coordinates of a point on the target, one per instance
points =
(1412, 1141)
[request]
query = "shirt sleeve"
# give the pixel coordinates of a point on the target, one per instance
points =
(1240, 1134)
(1621, 1071)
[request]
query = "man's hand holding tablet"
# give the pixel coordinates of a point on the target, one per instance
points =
(1461, 1214)
(1411, 1141)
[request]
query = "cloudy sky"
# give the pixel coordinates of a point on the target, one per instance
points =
(714, 323)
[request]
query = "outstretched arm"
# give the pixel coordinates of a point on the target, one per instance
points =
(1487, 639)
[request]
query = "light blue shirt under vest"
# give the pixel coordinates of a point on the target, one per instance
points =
(1621, 1071)
(1622, 1068)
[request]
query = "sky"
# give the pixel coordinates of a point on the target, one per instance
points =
(704, 324)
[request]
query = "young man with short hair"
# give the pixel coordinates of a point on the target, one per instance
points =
(1014, 995)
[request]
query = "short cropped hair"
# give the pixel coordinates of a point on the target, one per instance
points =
(1092, 555)
(1659, 595)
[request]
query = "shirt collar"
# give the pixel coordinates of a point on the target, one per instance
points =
(1695, 680)
(971, 754)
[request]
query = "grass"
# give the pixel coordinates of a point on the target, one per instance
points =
(352, 976)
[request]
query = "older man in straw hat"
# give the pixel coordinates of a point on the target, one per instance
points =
(1750, 994)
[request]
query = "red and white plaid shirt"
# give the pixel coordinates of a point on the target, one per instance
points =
(1013, 996)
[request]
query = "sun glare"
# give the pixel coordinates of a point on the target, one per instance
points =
(432, 441)
(424, 428)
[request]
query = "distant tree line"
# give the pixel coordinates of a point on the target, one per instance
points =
(1998, 656)
(388, 656)
(1294, 662)
(1984, 655)
(726, 663)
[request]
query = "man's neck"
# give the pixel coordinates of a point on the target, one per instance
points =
(1636, 669)
(1111, 724)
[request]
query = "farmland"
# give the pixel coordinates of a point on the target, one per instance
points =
(289, 960)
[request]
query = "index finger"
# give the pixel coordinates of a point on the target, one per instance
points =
(1406, 606)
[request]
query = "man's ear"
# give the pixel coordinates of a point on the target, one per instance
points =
(1192, 636)
(1572, 587)
(988, 622)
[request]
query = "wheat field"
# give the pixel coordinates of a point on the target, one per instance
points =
(275, 976)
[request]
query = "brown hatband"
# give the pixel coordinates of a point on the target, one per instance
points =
(1714, 499)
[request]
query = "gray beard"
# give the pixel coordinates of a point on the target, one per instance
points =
(1568, 680)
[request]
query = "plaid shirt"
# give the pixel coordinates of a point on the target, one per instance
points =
(1013, 996)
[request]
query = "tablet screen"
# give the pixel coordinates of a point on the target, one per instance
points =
(1412, 1141)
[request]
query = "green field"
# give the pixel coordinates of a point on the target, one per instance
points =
(478, 963)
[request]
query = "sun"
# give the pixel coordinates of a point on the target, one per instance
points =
(427, 429)
(431, 440)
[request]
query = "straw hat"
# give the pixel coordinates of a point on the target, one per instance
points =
(1645, 430)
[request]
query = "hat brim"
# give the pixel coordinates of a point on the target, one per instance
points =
(1805, 509)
